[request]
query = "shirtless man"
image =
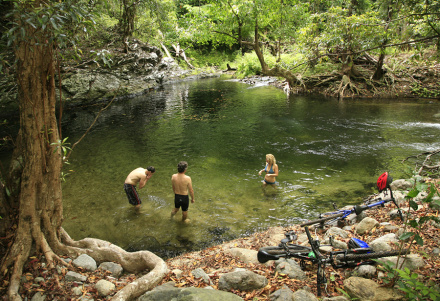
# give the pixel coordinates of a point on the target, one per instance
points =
(181, 186)
(139, 175)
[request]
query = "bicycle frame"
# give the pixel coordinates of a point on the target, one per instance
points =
(358, 209)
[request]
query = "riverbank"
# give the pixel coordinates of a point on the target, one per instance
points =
(220, 260)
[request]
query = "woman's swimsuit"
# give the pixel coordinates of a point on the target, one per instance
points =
(269, 172)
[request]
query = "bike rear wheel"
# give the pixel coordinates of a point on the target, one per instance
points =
(274, 253)
(281, 250)
(373, 255)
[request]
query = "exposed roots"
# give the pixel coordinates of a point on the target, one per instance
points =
(145, 262)
(346, 82)
(426, 164)
(135, 262)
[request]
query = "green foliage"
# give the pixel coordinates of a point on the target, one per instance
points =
(346, 294)
(64, 146)
(414, 288)
(56, 20)
(422, 91)
(410, 283)
(103, 55)
(203, 58)
(247, 65)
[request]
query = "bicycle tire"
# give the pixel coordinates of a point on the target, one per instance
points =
(321, 220)
(281, 250)
(373, 255)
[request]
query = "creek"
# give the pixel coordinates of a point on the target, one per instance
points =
(327, 151)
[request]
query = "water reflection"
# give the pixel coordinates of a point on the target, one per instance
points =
(326, 151)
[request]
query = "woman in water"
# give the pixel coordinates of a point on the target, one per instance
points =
(271, 170)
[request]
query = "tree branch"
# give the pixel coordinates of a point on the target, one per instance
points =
(90, 127)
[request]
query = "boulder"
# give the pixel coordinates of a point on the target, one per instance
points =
(245, 255)
(367, 290)
(188, 294)
(104, 287)
(290, 268)
(114, 268)
(367, 224)
(86, 262)
(242, 280)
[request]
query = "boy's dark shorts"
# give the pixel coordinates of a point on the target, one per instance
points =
(132, 194)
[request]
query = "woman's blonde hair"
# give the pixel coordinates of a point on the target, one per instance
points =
(271, 159)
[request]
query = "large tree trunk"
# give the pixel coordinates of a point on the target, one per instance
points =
(40, 207)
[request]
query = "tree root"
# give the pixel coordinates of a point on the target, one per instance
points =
(132, 262)
(428, 166)
(346, 82)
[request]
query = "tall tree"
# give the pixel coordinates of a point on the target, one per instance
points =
(39, 198)
(36, 35)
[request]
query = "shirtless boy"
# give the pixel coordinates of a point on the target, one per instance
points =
(139, 175)
(181, 186)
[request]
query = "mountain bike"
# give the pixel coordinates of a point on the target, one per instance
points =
(359, 253)
(383, 184)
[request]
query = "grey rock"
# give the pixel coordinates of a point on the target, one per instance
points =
(104, 287)
(304, 295)
(390, 239)
(293, 271)
(200, 273)
(188, 294)
(86, 262)
(283, 294)
(411, 261)
(114, 268)
(365, 225)
(401, 184)
(38, 297)
(72, 276)
(368, 290)
(177, 272)
(380, 246)
(242, 280)
(77, 291)
(336, 232)
(365, 271)
(245, 255)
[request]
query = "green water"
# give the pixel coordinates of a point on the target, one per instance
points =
(327, 151)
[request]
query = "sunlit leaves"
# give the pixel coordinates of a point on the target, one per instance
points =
(50, 20)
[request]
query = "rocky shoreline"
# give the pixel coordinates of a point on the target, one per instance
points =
(231, 271)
